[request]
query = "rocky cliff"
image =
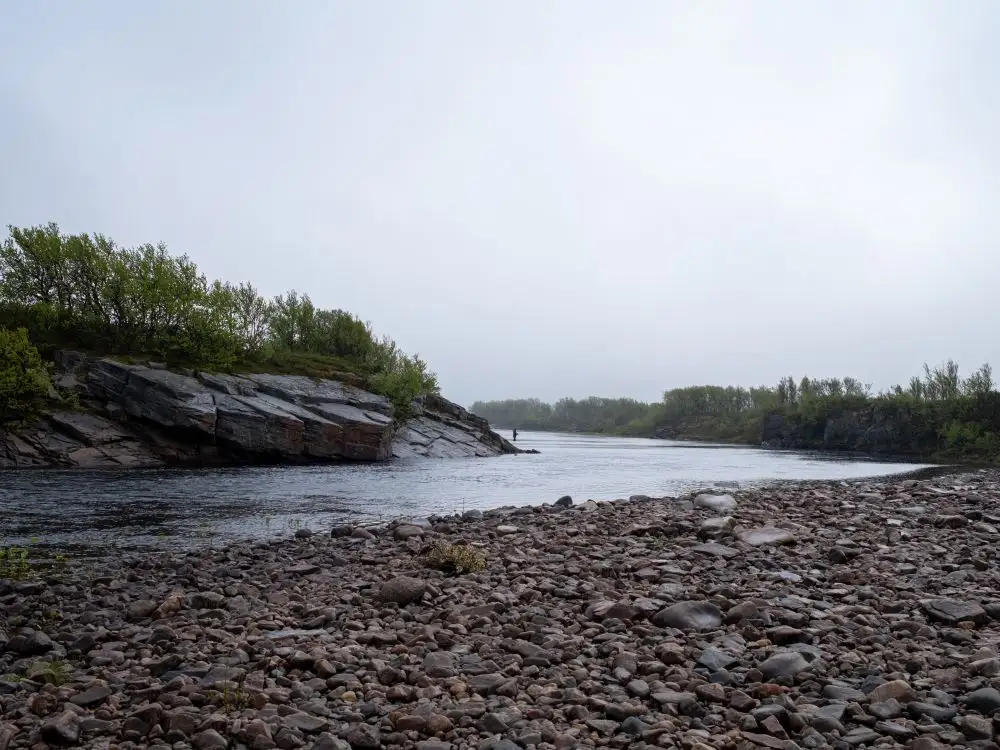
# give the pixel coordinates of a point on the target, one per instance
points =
(143, 416)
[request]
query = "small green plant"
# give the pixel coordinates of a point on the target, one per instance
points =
(11, 678)
(14, 563)
(234, 697)
(54, 671)
(454, 559)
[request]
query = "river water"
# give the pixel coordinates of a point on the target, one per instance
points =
(178, 508)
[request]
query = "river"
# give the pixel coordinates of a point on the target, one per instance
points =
(177, 508)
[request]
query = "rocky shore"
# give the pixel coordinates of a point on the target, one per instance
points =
(813, 615)
(145, 416)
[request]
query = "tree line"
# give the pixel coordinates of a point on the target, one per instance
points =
(936, 413)
(86, 292)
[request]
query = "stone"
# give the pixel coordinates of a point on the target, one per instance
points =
(507, 530)
(404, 531)
(953, 611)
(440, 664)
(209, 739)
(92, 696)
(899, 690)
(689, 615)
(364, 737)
(766, 535)
(61, 729)
(985, 700)
(783, 664)
(716, 503)
(564, 502)
(403, 590)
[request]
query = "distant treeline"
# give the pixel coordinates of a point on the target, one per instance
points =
(937, 414)
(84, 291)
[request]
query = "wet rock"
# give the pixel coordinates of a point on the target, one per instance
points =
(564, 502)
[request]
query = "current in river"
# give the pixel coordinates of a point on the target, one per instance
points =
(133, 510)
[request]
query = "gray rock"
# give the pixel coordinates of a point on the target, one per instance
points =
(985, 700)
(440, 664)
(34, 643)
(92, 696)
(62, 729)
(403, 590)
(783, 664)
(689, 615)
(766, 535)
(564, 502)
(472, 515)
(364, 737)
(209, 739)
(406, 530)
(953, 611)
(716, 503)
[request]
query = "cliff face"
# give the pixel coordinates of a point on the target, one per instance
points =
(138, 416)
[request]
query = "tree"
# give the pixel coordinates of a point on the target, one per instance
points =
(23, 379)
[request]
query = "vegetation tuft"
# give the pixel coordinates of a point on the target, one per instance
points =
(454, 559)
(85, 292)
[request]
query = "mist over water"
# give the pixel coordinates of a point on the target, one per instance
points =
(181, 508)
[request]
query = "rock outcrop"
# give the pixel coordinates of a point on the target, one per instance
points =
(145, 416)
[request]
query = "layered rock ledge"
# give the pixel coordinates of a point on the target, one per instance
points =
(807, 616)
(140, 416)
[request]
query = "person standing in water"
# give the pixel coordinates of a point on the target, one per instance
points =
(515, 434)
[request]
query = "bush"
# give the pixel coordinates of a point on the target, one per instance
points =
(455, 558)
(24, 382)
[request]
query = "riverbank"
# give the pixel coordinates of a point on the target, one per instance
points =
(807, 615)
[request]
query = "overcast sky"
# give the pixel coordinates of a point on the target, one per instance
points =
(543, 198)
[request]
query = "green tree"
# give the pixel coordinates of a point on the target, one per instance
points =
(23, 379)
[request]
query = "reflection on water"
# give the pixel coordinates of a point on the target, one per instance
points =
(180, 507)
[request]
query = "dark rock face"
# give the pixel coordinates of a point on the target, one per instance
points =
(138, 416)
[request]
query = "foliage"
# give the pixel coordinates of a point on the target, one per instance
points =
(455, 558)
(14, 564)
(938, 414)
(53, 671)
(23, 379)
(85, 292)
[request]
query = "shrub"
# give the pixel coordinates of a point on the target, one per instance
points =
(455, 558)
(24, 382)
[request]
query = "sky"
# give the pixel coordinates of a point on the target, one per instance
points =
(543, 199)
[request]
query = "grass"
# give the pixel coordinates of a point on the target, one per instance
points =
(14, 564)
(54, 672)
(316, 366)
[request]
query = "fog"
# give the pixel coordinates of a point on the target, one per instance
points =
(543, 199)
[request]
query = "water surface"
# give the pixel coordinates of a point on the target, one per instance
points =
(170, 508)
